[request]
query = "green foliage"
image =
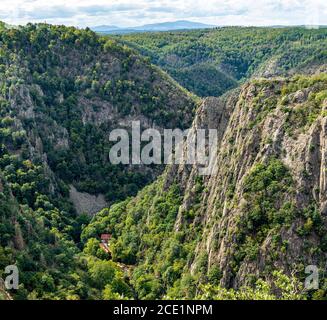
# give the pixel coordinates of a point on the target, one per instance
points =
(80, 86)
(280, 288)
(266, 210)
(263, 187)
(210, 62)
(304, 111)
(214, 275)
(143, 234)
(49, 77)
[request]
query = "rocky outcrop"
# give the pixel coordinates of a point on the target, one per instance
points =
(86, 203)
(255, 126)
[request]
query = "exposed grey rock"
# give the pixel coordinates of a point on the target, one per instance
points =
(86, 203)
(240, 148)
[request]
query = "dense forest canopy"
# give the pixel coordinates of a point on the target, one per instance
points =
(80, 86)
(210, 62)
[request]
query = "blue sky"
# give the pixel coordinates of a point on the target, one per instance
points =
(127, 13)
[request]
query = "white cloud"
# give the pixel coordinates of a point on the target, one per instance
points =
(131, 13)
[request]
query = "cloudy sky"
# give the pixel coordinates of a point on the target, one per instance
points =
(125, 13)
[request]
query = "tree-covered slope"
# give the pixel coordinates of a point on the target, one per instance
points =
(209, 62)
(255, 224)
(260, 217)
(62, 90)
(68, 88)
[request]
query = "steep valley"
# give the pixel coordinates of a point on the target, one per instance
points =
(62, 91)
(247, 231)
(263, 211)
(210, 62)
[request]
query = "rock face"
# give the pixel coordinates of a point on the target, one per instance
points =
(86, 203)
(264, 207)
(255, 127)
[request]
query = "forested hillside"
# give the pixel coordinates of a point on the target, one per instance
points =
(245, 232)
(210, 62)
(69, 88)
(61, 92)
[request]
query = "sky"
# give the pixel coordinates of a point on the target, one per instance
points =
(127, 13)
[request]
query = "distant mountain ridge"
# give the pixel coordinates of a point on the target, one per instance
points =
(104, 28)
(164, 26)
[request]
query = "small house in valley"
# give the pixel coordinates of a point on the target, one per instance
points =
(105, 238)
